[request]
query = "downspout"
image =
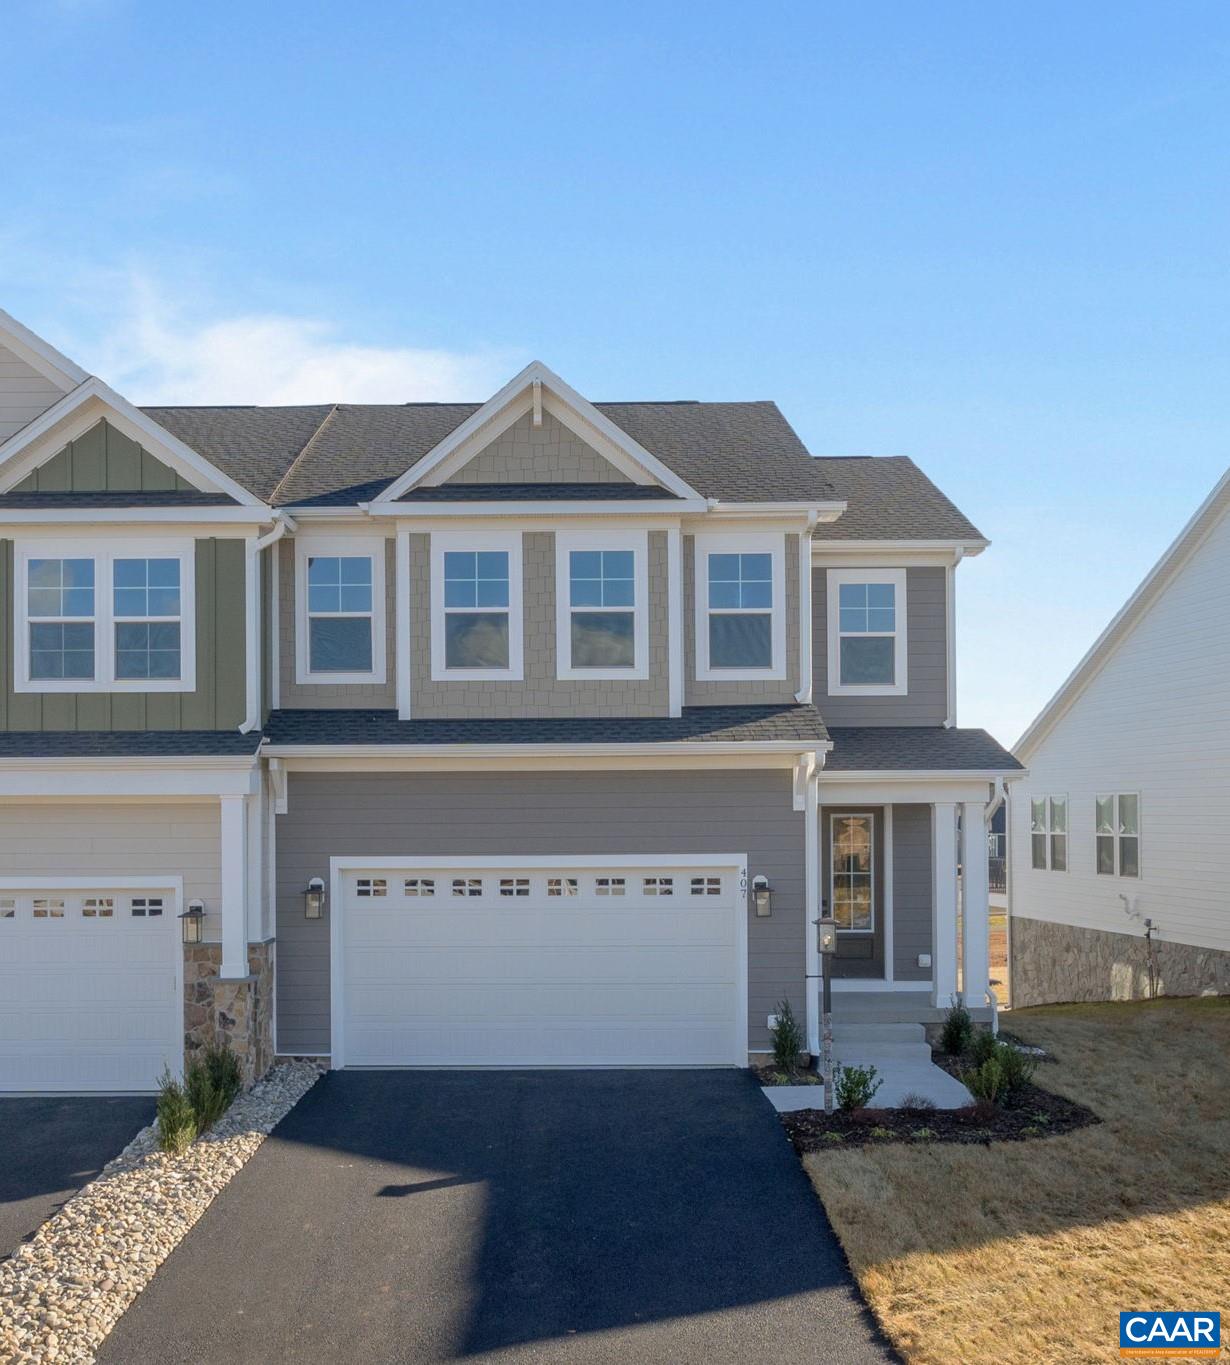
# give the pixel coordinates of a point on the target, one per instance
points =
(252, 640)
(811, 883)
(806, 667)
(999, 797)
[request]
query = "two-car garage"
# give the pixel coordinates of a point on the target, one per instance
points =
(561, 962)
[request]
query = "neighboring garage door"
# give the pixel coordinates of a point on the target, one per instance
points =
(564, 964)
(89, 987)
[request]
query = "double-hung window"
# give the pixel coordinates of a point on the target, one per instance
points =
(339, 586)
(866, 632)
(740, 607)
(601, 596)
(1048, 833)
(476, 606)
(95, 619)
(1117, 834)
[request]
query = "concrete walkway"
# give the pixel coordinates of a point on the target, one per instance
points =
(567, 1216)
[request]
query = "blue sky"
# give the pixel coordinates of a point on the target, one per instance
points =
(994, 238)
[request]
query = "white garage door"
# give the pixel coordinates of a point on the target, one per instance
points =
(559, 965)
(89, 988)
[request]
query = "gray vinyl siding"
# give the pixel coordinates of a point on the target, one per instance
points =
(749, 693)
(102, 460)
(540, 693)
(219, 700)
(926, 702)
(912, 891)
(549, 453)
(327, 694)
(457, 815)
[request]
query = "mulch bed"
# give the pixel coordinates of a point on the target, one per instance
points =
(1030, 1113)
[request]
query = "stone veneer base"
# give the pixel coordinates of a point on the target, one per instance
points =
(236, 1012)
(1053, 963)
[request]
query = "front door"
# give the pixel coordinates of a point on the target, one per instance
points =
(853, 888)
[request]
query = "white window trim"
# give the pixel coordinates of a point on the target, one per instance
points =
(858, 815)
(104, 553)
(565, 544)
(1049, 831)
(739, 543)
(354, 547)
(509, 541)
(834, 579)
(1116, 797)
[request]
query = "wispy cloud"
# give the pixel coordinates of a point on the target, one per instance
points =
(160, 352)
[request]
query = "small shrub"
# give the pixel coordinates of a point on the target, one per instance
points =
(833, 1137)
(955, 1034)
(779, 1078)
(1040, 1117)
(924, 1133)
(177, 1122)
(787, 1035)
(982, 1046)
(881, 1132)
(917, 1104)
(1018, 1067)
(1030, 1130)
(856, 1086)
(985, 1082)
(211, 1082)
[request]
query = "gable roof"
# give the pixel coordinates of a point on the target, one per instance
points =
(1206, 518)
(889, 498)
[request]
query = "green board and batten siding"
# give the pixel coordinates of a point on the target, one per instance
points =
(103, 460)
(219, 700)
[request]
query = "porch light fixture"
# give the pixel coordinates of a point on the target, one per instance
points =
(193, 920)
(762, 896)
(314, 899)
(826, 933)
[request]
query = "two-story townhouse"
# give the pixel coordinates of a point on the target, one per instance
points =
(535, 732)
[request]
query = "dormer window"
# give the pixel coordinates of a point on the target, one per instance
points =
(339, 589)
(92, 619)
(476, 606)
(740, 607)
(602, 593)
(866, 632)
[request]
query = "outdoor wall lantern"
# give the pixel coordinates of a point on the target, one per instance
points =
(193, 920)
(762, 895)
(826, 932)
(314, 899)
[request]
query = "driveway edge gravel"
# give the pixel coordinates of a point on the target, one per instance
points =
(62, 1292)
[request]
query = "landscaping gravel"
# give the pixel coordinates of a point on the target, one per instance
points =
(64, 1290)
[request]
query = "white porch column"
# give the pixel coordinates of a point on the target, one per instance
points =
(944, 902)
(975, 929)
(811, 901)
(234, 844)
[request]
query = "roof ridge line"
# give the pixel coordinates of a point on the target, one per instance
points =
(307, 445)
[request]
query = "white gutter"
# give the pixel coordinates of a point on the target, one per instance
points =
(677, 749)
(252, 620)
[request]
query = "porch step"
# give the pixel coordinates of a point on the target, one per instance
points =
(855, 1052)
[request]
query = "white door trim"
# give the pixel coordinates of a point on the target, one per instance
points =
(337, 938)
(173, 884)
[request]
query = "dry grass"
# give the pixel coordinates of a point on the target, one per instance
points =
(1026, 1252)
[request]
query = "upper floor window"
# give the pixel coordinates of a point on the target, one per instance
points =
(97, 619)
(339, 588)
(740, 607)
(601, 605)
(476, 606)
(866, 632)
(1117, 835)
(1048, 833)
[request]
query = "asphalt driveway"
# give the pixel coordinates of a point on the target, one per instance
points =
(52, 1145)
(530, 1216)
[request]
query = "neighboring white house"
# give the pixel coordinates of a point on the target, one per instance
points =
(1118, 848)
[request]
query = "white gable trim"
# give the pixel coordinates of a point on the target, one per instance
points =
(39, 355)
(516, 398)
(83, 408)
(1163, 573)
